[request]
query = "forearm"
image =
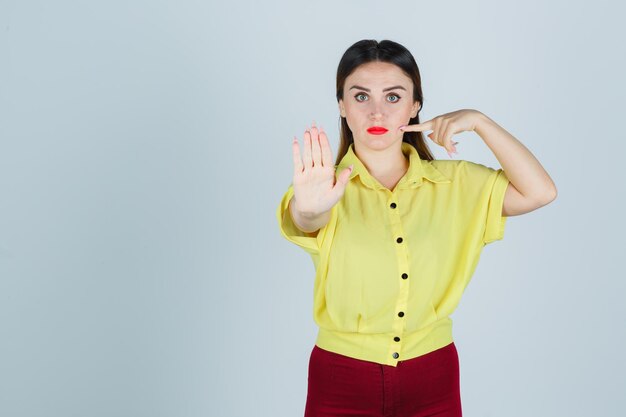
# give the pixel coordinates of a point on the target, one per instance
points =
(521, 167)
(306, 222)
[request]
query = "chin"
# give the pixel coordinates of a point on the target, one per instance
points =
(377, 142)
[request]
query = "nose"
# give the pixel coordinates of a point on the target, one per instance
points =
(376, 111)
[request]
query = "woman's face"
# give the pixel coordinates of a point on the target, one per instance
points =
(377, 94)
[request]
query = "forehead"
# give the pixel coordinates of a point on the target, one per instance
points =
(378, 75)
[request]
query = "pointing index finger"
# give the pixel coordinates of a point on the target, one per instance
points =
(418, 127)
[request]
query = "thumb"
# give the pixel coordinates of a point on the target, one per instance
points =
(342, 179)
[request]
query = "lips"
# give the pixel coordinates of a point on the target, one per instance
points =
(377, 130)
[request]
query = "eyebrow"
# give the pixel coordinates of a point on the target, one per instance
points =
(386, 89)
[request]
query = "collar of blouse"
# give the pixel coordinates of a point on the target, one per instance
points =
(418, 170)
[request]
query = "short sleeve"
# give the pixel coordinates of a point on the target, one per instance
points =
(482, 189)
(494, 194)
(308, 241)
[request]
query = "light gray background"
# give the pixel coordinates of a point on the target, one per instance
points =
(145, 146)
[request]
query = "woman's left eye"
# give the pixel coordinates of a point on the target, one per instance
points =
(395, 95)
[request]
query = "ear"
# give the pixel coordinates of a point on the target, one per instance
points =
(342, 110)
(415, 109)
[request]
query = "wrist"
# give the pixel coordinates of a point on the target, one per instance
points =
(306, 215)
(482, 121)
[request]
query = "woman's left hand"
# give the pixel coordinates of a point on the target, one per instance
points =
(446, 125)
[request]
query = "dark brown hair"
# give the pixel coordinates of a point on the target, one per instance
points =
(368, 50)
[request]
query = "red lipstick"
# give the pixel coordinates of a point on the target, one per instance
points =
(377, 130)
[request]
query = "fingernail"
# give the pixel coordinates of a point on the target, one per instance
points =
(402, 127)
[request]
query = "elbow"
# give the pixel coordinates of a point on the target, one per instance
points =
(549, 196)
(552, 194)
(540, 199)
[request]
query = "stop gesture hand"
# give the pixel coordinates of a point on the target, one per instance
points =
(314, 186)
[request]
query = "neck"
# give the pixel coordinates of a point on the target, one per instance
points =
(384, 163)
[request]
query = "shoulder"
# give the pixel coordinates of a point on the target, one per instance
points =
(462, 169)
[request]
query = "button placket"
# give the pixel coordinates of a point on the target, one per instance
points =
(402, 262)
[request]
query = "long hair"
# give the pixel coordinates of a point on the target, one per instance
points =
(368, 50)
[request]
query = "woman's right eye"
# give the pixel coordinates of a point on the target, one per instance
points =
(359, 94)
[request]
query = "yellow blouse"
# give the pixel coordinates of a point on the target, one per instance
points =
(391, 266)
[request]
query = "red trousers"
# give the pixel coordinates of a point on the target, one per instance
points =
(425, 386)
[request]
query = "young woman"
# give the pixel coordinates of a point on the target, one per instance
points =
(395, 237)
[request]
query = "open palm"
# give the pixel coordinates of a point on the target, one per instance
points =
(314, 186)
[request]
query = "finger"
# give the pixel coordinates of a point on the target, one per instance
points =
(420, 127)
(342, 180)
(315, 147)
(308, 163)
(297, 160)
(327, 153)
(447, 129)
(432, 136)
(345, 174)
(436, 131)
